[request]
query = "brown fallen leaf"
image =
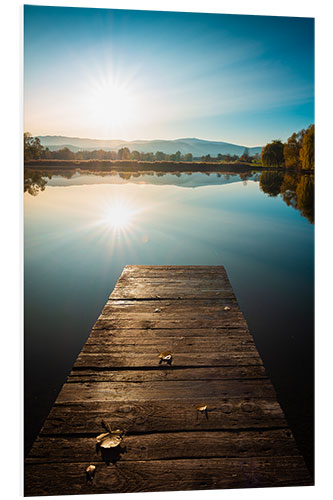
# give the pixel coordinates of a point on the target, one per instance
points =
(108, 440)
(111, 438)
(90, 472)
(165, 356)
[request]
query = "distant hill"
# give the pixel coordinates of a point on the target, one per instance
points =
(198, 147)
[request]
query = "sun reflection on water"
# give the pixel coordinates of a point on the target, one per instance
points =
(118, 215)
(118, 218)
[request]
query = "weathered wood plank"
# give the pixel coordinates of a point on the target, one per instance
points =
(164, 415)
(128, 360)
(110, 322)
(162, 446)
(185, 282)
(177, 347)
(169, 313)
(151, 292)
(164, 373)
(166, 475)
(176, 305)
(101, 330)
(181, 343)
(173, 270)
(165, 390)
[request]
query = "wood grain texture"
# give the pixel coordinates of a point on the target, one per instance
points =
(164, 373)
(165, 475)
(168, 445)
(240, 440)
(163, 415)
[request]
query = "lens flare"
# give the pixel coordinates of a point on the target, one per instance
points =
(118, 215)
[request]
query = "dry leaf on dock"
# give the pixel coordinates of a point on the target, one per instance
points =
(111, 438)
(90, 472)
(165, 356)
(108, 440)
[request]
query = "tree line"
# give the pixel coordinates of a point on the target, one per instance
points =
(297, 153)
(33, 150)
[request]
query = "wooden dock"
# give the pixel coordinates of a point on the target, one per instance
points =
(172, 442)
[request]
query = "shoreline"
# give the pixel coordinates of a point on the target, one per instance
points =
(119, 165)
(140, 166)
(136, 167)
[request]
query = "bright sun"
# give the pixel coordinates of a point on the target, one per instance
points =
(112, 105)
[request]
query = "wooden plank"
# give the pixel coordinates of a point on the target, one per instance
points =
(164, 373)
(151, 292)
(177, 347)
(212, 342)
(104, 333)
(165, 390)
(166, 475)
(110, 322)
(170, 271)
(162, 446)
(242, 439)
(118, 360)
(164, 415)
(176, 305)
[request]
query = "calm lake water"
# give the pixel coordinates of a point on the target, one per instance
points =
(81, 231)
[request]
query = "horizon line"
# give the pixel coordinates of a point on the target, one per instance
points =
(146, 140)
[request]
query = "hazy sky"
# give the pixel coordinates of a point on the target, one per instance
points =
(117, 74)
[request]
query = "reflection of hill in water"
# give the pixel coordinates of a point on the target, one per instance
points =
(190, 180)
(295, 188)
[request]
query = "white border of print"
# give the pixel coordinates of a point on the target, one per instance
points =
(12, 235)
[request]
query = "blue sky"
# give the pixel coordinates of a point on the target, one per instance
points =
(122, 74)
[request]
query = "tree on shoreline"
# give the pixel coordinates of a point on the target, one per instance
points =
(272, 154)
(307, 150)
(292, 148)
(32, 147)
(296, 153)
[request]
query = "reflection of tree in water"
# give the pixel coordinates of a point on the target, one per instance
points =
(305, 196)
(296, 190)
(270, 183)
(68, 174)
(34, 182)
(244, 176)
(288, 190)
(125, 175)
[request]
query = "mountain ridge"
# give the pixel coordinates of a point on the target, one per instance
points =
(198, 147)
